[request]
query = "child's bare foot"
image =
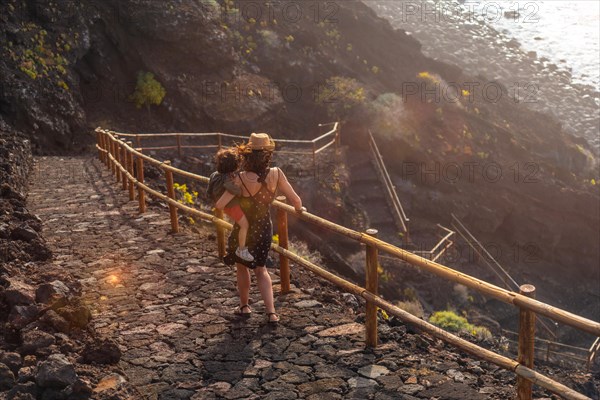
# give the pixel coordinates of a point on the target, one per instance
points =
(244, 254)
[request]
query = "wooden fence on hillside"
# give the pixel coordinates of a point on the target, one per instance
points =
(217, 140)
(120, 156)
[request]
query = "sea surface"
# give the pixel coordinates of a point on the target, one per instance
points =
(549, 51)
(566, 32)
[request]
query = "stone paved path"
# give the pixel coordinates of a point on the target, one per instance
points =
(168, 301)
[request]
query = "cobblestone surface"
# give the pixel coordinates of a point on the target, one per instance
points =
(168, 301)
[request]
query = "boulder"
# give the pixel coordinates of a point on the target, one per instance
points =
(24, 232)
(55, 321)
(7, 378)
(4, 231)
(21, 316)
(82, 388)
(47, 291)
(78, 316)
(36, 340)
(23, 391)
(10, 193)
(56, 372)
(104, 352)
(12, 361)
(26, 374)
(19, 292)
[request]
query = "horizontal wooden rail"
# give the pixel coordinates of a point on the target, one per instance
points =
(227, 135)
(516, 299)
(180, 147)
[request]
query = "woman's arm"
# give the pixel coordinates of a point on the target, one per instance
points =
(284, 186)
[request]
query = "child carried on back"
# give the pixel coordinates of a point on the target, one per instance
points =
(222, 180)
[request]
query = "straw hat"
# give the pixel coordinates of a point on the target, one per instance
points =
(261, 141)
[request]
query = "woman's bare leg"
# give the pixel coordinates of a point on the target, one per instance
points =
(265, 286)
(243, 284)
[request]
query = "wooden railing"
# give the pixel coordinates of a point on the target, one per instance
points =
(119, 156)
(440, 247)
(593, 352)
(508, 281)
(548, 348)
(390, 191)
(306, 147)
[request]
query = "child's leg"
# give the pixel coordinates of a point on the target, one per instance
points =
(244, 225)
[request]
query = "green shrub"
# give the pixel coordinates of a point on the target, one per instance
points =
(450, 321)
(270, 38)
(386, 114)
(341, 95)
(482, 333)
(30, 72)
(148, 91)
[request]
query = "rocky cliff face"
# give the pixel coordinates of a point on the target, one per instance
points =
(240, 66)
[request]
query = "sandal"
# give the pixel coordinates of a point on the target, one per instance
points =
(272, 321)
(240, 311)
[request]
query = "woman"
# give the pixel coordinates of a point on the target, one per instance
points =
(259, 185)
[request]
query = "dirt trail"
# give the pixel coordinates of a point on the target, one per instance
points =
(169, 302)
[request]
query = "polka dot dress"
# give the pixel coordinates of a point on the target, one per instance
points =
(260, 232)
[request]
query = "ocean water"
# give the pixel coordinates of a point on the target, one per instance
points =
(565, 32)
(495, 38)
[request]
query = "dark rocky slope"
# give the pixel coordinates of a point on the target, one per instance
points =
(46, 350)
(67, 67)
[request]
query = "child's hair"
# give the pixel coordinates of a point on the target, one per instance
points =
(227, 160)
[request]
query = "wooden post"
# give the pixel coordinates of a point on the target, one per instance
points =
(138, 142)
(98, 140)
(284, 262)
(171, 194)
(220, 234)
(118, 159)
(104, 142)
(526, 343)
(111, 149)
(338, 139)
(179, 145)
(314, 159)
(124, 163)
(372, 286)
(220, 140)
(130, 170)
(101, 144)
(140, 178)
